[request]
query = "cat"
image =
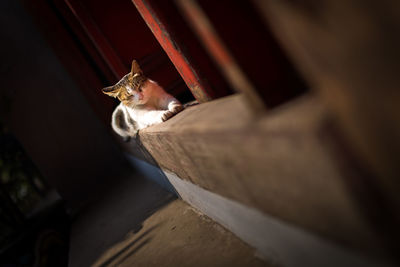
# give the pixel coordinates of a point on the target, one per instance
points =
(143, 103)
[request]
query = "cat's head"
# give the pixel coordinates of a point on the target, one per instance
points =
(130, 89)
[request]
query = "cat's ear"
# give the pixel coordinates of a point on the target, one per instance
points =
(111, 91)
(135, 68)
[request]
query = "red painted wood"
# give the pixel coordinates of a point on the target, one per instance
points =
(119, 34)
(196, 54)
(101, 43)
(200, 89)
(49, 16)
(96, 42)
(82, 40)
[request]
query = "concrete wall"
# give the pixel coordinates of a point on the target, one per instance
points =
(42, 105)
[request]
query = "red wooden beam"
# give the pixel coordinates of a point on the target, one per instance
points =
(199, 88)
(101, 43)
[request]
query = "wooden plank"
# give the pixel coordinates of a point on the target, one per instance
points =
(101, 43)
(199, 88)
(220, 53)
(78, 35)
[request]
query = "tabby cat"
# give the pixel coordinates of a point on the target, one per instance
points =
(143, 103)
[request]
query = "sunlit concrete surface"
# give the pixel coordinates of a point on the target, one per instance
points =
(137, 223)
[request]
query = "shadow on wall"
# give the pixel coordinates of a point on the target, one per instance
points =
(108, 229)
(44, 108)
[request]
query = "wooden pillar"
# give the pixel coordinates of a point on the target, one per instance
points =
(199, 88)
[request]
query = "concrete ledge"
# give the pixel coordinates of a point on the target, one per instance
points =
(280, 164)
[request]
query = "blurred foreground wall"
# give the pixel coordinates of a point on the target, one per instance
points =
(45, 109)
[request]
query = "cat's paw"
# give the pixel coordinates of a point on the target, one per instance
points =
(166, 115)
(177, 108)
